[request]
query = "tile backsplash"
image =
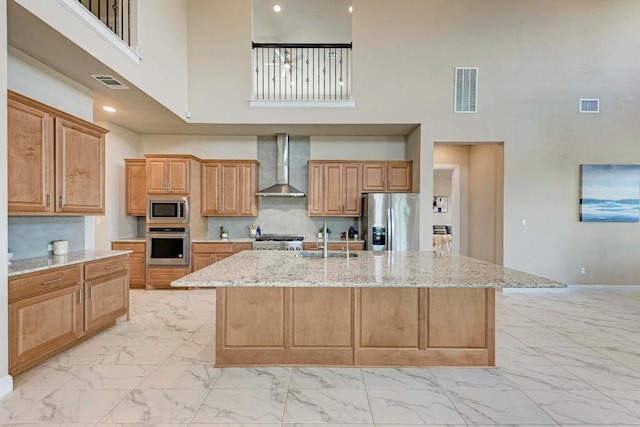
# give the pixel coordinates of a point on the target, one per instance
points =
(29, 236)
(281, 215)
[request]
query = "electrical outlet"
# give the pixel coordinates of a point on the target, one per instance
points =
(50, 247)
(523, 221)
(583, 270)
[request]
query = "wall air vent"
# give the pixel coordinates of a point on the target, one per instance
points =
(109, 81)
(589, 105)
(466, 96)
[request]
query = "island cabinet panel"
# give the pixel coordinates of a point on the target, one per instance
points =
(389, 317)
(322, 317)
(457, 318)
(255, 317)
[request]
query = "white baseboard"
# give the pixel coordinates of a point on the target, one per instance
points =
(6, 385)
(577, 289)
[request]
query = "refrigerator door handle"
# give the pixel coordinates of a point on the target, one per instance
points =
(390, 229)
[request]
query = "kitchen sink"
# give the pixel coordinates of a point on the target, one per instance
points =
(318, 254)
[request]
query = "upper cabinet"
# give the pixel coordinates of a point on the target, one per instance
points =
(334, 188)
(393, 177)
(167, 174)
(229, 188)
(55, 161)
(136, 186)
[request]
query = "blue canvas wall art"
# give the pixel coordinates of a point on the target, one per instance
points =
(610, 193)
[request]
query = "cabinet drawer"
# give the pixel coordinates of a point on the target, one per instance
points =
(40, 283)
(212, 247)
(107, 266)
(239, 247)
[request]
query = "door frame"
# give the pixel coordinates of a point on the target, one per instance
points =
(455, 193)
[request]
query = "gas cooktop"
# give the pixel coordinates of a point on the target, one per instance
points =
(279, 238)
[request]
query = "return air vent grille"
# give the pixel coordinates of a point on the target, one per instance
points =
(109, 81)
(589, 105)
(466, 90)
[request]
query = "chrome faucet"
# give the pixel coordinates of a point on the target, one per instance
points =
(325, 240)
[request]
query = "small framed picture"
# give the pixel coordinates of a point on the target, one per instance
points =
(439, 204)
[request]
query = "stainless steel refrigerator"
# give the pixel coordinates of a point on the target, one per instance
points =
(391, 221)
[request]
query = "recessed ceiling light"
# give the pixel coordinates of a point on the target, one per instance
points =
(350, 8)
(109, 109)
(277, 8)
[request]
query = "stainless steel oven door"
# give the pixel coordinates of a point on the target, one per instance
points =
(169, 247)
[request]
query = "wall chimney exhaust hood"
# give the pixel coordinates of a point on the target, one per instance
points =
(282, 187)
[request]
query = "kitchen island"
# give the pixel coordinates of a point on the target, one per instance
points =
(372, 309)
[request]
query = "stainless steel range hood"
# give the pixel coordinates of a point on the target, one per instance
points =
(282, 187)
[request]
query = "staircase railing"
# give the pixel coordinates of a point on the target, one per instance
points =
(302, 71)
(115, 14)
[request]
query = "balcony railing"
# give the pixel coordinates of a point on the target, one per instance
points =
(302, 71)
(115, 14)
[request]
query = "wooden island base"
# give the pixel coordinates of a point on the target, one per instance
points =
(368, 326)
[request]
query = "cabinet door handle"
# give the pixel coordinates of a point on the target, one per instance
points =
(91, 292)
(48, 199)
(80, 296)
(111, 267)
(61, 201)
(48, 282)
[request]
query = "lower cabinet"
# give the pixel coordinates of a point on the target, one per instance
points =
(335, 246)
(50, 311)
(204, 254)
(137, 261)
(161, 277)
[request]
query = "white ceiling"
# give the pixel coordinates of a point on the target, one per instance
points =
(143, 115)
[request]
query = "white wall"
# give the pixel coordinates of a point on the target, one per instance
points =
(120, 144)
(32, 78)
(358, 148)
(6, 383)
(203, 146)
(162, 45)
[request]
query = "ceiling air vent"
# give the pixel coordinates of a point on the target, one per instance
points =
(466, 90)
(109, 81)
(589, 105)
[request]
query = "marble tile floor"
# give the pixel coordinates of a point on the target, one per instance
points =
(563, 359)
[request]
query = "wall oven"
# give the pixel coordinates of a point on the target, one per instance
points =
(168, 246)
(165, 210)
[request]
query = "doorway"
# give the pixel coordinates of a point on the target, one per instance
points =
(477, 196)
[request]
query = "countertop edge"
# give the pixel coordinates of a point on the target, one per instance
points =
(185, 283)
(34, 265)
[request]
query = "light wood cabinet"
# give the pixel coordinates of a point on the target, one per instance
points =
(106, 291)
(161, 277)
(168, 174)
(55, 161)
(335, 246)
(393, 177)
(136, 186)
(334, 188)
(137, 262)
(51, 310)
(204, 254)
(229, 188)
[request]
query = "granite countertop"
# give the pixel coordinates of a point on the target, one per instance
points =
(130, 239)
(31, 265)
(218, 240)
(368, 269)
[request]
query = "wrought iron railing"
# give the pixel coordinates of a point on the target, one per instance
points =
(115, 14)
(302, 71)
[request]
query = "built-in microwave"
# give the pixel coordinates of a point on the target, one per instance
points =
(168, 210)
